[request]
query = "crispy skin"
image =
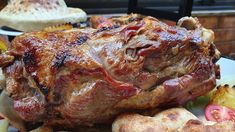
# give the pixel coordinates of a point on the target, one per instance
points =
(88, 76)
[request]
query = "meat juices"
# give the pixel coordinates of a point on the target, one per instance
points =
(88, 76)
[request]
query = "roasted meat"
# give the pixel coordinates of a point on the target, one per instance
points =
(89, 75)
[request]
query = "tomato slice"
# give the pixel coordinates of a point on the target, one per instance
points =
(219, 113)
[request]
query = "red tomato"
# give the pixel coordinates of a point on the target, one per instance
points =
(219, 113)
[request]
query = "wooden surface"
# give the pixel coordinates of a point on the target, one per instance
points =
(223, 26)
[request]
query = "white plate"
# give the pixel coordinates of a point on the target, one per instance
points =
(9, 33)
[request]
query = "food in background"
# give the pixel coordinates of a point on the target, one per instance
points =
(171, 120)
(34, 15)
(59, 27)
(225, 96)
(219, 113)
(3, 44)
(222, 105)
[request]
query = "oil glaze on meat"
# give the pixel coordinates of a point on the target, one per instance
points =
(90, 75)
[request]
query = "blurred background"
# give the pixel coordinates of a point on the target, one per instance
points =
(120, 6)
(218, 15)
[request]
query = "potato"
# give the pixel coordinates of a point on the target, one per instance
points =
(3, 45)
(225, 96)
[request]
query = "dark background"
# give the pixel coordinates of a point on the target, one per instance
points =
(120, 6)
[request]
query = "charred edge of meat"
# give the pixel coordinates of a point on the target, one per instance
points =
(81, 40)
(59, 59)
(58, 115)
(217, 72)
(42, 88)
(193, 45)
(212, 50)
(218, 86)
(213, 53)
(107, 28)
(30, 61)
(31, 126)
(57, 98)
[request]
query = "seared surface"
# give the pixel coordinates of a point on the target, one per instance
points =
(87, 76)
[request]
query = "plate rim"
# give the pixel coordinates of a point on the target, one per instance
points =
(9, 33)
